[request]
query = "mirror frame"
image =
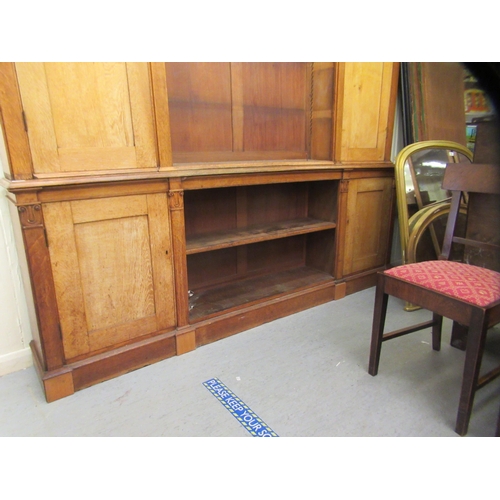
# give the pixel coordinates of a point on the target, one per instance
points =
(403, 155)
(421, 221)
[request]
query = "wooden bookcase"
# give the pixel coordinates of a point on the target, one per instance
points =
(249, 243)
(163, 206)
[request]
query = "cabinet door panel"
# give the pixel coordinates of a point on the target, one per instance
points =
(108, 287)
(88, 116)
(369, 205)
(365, 108)
(112, 269)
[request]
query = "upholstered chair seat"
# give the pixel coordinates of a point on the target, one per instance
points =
(472, 284)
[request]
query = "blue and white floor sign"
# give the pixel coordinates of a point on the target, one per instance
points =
(245, 416)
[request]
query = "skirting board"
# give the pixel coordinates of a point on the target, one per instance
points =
(15, 361)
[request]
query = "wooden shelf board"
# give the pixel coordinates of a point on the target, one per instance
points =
(251, 290)
(283, 229)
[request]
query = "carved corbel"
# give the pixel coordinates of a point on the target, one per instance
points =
(31, 216)
(344, 186)
(176, 199)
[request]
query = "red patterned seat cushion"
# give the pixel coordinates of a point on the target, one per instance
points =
(472, 284)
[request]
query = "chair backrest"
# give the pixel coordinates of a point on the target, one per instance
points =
(482, 239)
(487, 143)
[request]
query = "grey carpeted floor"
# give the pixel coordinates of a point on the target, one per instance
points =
(303, 375)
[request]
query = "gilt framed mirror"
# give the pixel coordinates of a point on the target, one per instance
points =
(422, 203)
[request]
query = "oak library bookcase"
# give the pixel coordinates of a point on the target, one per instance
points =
(163, 206)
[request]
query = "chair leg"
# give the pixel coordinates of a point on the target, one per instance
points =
(459, 336)
(497, 433)
(436, 331)
(473, 357)
(379, 314)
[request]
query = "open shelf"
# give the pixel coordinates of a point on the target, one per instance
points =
(251, 290)
(264, 232)
(247, 244)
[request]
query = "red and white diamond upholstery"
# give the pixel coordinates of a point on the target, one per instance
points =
(476, 285)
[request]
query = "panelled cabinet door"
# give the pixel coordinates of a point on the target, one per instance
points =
(88, 116)
(365, 105)
(112, 266)
(369, 210)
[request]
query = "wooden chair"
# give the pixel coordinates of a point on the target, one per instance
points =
(462, 291)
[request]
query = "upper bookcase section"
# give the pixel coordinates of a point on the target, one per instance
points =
(74, 119)
(87, 116)
(240, 111)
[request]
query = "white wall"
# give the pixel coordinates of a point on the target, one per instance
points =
(15, 330)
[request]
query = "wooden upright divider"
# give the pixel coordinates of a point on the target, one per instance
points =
(169, 205)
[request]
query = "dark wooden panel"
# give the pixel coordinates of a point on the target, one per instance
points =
(475, 178)
(265, 232)
(277, 202)
(322, 200)
(239, 111)
(483, 224)
(275, 104)
(444, 101)
(322, 105)
(200, 106)
(320, 251)
(210, 268)
(254, 315)
(228, 156)
(210, 210)
(270, 256)
(487, 145)
(360, 282)
(122, 360)
(437, 100)
(254, 290)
